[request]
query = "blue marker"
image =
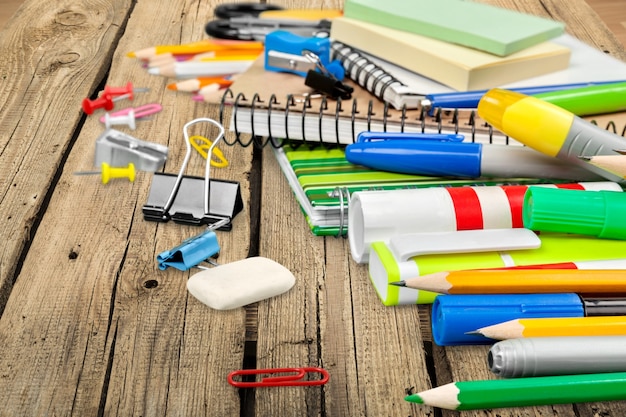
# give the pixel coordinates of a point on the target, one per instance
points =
(447, 156)
(454, 316)
(470, 99)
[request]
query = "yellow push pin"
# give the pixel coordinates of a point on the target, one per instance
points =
(109, 172)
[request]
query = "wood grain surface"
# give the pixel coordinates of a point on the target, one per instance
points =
(91, 327)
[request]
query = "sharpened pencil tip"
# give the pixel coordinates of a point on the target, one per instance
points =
(474, 333)
(584, 158)
(414, 398)
(620, 151)
(398, 283)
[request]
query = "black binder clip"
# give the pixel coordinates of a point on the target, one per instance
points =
(193, 200)
(322, 80)
(193, 251)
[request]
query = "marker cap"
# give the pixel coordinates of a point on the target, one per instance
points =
(594, 213)
(495, 102)
(455, 315)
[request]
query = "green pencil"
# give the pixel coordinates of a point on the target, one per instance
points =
(522, 392)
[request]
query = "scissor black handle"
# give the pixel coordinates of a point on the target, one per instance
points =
(226, 11)
(222, 29)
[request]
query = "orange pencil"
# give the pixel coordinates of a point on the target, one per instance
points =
(195, 84)
(521, 281)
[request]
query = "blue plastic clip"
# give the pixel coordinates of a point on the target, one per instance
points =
(193, 250)
(288, 52)
(439, 137)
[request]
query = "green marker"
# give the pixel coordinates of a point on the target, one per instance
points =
(589, 100)
(523, 392)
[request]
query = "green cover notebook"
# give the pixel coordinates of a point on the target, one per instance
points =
(322, 181)
(488, 28)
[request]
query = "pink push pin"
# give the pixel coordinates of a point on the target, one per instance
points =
(127, 119)
(140, 112)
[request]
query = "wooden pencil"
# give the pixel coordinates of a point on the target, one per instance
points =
(521, 392)
(612, 163)
(556, 326)
(521, 281)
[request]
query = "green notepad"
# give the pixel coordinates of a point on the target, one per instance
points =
(322, 181)
(476, 25)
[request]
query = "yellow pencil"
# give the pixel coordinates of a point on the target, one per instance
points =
(559, 326)
(521, 281)
(195, 48)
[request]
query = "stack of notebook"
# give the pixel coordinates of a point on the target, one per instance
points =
(402, 53)
(463, 45)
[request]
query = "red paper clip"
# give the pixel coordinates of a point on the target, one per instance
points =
(295, 378)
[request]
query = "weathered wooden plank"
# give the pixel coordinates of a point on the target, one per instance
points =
(288, 324)
(52, 56)
(193, 346)
(92, 325)
(373, 352)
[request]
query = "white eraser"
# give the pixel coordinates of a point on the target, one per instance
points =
(240, 283)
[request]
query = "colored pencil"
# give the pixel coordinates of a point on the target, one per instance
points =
(521, 281)
(523, 392)
(556, 326)
(193, 69)
(195, 84)
(612, 163)
(194, 48)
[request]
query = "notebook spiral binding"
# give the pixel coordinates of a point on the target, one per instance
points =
(443, 121)
(355, 64)
(262, 111)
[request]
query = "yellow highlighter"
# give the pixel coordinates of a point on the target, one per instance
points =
(550, 129)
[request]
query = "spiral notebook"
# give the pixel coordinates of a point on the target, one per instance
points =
(322, 181)
(271, 106)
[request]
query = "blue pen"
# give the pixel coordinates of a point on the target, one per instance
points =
(456, 317)
(447, 156)
(470, 99)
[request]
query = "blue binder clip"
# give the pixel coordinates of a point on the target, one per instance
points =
(192, 251)
(288, 52)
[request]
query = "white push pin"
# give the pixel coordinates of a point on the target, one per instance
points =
(127, 119)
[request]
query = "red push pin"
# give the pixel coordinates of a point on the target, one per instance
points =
(109, 96)
(105, 101)
(127, 91)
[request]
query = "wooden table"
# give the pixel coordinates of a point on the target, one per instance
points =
(90, 326)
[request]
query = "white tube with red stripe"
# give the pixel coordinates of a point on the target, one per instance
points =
(375, 216)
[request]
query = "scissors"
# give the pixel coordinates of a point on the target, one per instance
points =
(243, 21)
